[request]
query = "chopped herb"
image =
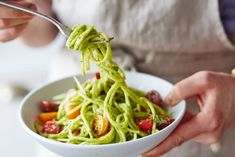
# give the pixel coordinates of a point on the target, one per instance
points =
(159, 120)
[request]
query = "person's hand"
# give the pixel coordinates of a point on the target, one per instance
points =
(215, 94)
(13, 22)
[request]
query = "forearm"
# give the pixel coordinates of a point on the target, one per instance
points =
(40, 32)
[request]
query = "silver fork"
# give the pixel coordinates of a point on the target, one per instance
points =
(65, 30)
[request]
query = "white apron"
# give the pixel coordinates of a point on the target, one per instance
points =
(170, 38)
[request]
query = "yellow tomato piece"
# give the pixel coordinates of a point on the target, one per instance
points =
(70, 112)
(100, 125)
(44, 117)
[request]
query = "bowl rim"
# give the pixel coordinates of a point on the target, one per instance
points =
(91, 146)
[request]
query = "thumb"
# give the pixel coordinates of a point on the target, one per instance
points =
(186, 88)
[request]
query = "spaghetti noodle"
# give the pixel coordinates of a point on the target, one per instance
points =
(101, 110)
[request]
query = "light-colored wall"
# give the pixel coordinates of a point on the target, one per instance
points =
(25, 65)
(28, 67)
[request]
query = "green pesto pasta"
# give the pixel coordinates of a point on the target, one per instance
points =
(107, 96)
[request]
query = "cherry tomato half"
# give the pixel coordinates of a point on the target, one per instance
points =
(168, 120)
(47, 106)
(76, 132)
(154, 97)
(44, 117)
(51, 128)
(145, 125)
(97, 75)
(71, 114)
(100, 125)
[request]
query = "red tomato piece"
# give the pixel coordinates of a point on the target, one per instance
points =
(51, 128)
(154, 97)
(145, 125)
(47, 106)
(168, 120)
(76, 132)
(97, 75)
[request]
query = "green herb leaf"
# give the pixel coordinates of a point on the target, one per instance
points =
(159, 120)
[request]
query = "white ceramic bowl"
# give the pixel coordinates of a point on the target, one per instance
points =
(29, 111)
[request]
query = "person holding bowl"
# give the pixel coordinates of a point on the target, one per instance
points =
(175, 40)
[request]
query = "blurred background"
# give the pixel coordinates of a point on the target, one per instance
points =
(21, 69)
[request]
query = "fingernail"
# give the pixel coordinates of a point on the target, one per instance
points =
(169, 100)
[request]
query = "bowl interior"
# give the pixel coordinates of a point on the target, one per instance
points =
(29, 108)
(30, 105)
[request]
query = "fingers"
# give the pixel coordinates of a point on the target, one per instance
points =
(13, 21)
(189, 87)
(8, 23)
(209, 124)
(11, 33)
(9, 13)
(185, 131)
